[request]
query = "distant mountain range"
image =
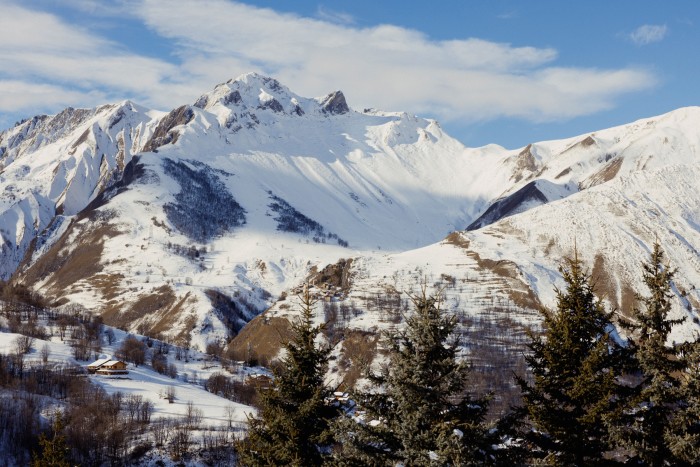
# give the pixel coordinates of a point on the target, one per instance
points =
(189, 224)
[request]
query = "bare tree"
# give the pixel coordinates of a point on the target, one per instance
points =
(132, 350)
(230, 415)
(146, 412)
(45, 353)
(63, 322)
(23, 344)
(132, 406)
(110, 336)
(161, 428)
(181, 438)
(193, 416)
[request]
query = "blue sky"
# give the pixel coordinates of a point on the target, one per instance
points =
(505, 72)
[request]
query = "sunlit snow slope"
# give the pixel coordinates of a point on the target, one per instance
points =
(189, 223)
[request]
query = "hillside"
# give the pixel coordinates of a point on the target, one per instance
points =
(188, 224)
(165, 404)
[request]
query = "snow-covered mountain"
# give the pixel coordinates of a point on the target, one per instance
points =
(190, 223)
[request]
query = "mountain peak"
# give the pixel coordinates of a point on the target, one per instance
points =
(256, 79)
(251, 90)
(334, 103)
(241, 99)
(255, 85)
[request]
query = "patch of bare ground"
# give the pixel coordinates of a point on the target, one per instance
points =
(589, 141)
(640, 231)
(584, 143)
(607, 173)
(564, 172)
(334, 275)
(503, 268)
(158, 311)
(507, 229)
(605, 286)
(358, 351)
(184, 337)
(260, 340)
(164, 320)
(525, 162)
(76, 256)
(107, 284)
(517, 290)
(550, 244)
(457, 239)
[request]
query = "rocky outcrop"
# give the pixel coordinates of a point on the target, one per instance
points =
(334, 103)
(510, 205)
(164, 133)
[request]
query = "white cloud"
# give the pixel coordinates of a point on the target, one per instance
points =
(648, 34)
(48, 62)
(19, 95)
(388, 66)
(385, 66)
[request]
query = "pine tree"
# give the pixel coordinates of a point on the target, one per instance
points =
(419, 413)
(656, 399)
(292, 425)
(684, 436)
(54, 451)
(574, 368)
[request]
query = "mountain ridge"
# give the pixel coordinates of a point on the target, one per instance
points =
(132, 213)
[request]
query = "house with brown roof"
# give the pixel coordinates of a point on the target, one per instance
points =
(107, 366)
(94, 366)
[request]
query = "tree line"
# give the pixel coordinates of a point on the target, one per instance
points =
(589, 396)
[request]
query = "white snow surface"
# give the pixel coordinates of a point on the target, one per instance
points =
(152, 386)
(391, 184)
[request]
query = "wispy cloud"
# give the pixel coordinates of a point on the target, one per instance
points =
(40, 51)
(510, 14)
(19, 95)
(385, 66)
(326, 14)
(648, 34)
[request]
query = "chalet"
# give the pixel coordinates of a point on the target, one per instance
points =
(93, 367)
(262, 382)
(107, 366)
(113, 367)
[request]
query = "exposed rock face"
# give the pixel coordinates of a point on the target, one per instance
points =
(272, 104)
(234, 97)
(510, 205)
(42, 130)
(334, 103)
(607, 173)
(526, 164)
(164, 133)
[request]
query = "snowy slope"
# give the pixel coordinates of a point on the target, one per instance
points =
(53, 166)
(143, 381)
(189, 223)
